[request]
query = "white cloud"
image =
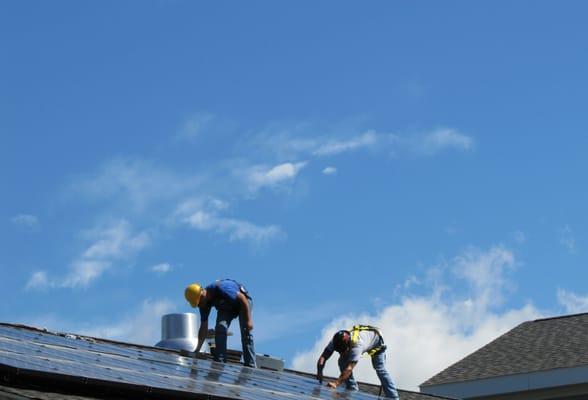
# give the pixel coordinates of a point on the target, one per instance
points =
(260, 176)
(444, 324)
(236, 229)
(115, 241)
(486, 273)
(332, 146)
(141, 325)
(442, 139)
(572, 302)
(39, 280)
(108, 245)
(136, 184)
(204, 215)
(162, 268)
(301, 140)
(83, 272)
(330, 171)
(25, 221)
(567, 239)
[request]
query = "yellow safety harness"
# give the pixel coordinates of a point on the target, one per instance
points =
(355, 337)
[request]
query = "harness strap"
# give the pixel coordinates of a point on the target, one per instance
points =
(355, 337)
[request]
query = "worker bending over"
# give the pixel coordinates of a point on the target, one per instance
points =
(351, 345)
(231, 300)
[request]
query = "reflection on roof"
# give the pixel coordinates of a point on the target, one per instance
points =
(36, 363)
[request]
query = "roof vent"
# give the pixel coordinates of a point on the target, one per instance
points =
(269, 362)
(179, 332)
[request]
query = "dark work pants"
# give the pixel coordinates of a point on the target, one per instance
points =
(223, 321)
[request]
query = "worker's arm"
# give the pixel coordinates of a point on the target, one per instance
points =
(345, 374)
(245, 310)
(320, 364)
(202, 332)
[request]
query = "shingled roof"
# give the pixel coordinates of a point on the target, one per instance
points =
(540, 345)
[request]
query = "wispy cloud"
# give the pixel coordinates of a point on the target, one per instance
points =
(446, 323)
(25, 221)
(303, 141)
(107, 245)
(161, 269)
(572, 302)
(110, 244)
(331, 147)
(82, 272)
(330, 171)
(38, 280)
(140, 325)
(260, 176)
(139, 188)
(440, 140)
(486, 273)
(204, 215)
(136, 185)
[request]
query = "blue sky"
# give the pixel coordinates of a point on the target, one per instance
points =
(420, 166)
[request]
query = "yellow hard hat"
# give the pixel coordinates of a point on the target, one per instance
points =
(193, 293)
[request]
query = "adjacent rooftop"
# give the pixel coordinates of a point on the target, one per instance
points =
(533, 346)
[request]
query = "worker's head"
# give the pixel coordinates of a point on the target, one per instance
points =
(193, 293)
(342, 341)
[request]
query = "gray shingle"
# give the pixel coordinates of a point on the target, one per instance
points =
(540, 345)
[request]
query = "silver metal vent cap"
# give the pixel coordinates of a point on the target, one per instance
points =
(179, 332)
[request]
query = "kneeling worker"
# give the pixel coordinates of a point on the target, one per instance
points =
(351, 345)
(231, 300)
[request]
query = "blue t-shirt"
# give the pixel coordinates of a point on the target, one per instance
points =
(223, 297)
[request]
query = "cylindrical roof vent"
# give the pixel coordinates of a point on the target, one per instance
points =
(179, 332)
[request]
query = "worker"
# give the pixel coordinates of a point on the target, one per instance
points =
(351, 344)
(231, 300)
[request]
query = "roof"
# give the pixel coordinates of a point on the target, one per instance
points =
(375, 389)
(18, 393)
(46, 365)
(533, 346)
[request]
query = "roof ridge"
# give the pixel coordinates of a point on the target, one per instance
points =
(560, 317)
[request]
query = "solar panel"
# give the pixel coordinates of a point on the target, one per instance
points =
(124, 364)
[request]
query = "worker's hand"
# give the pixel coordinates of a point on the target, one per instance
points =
(319, 375)
(249, 325)
(332, 384)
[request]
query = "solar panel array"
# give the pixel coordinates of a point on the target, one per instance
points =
(123, 364)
